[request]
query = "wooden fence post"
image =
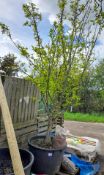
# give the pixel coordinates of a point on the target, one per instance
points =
(11, 138)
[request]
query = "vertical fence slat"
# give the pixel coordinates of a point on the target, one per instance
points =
(8, 89)
(29, 107)
(37, 101)
(16, 100)
(27, 101)
(23, 101)
(13, 95)
(21, 85)
(33, 102)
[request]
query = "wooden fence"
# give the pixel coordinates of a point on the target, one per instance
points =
(23, 99)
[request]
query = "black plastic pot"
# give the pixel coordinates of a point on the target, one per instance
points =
(26, 157)
(47, 161)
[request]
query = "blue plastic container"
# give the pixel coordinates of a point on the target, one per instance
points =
(86, 168)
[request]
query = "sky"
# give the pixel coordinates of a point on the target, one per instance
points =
(11, 14)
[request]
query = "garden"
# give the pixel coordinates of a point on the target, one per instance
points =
(54, 79)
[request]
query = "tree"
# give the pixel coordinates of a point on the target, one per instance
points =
(9, 65)
(60, 66)
(98, 87)
(92, 90)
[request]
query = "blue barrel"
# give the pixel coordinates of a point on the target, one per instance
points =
(6, 164)
(47, 161)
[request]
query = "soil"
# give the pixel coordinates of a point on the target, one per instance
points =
(41, 143)
(6, 166)
(50, 143)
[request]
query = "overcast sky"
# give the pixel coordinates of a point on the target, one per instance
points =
(11, 13)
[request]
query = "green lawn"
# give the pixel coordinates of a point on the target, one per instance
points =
(84, 117)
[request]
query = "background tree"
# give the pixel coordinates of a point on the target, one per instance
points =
(9, 65)
(98, 87)
(91, 91)
(60, 66)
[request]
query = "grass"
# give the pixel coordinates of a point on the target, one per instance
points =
(84, 117)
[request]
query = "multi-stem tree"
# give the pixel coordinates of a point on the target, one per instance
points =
(59, 67)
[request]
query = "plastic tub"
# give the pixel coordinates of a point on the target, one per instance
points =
(47, 161)
(5, 161)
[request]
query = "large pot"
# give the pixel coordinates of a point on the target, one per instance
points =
(26, 157)
(47, 161)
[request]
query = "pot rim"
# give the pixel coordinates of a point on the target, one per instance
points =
(42, 148)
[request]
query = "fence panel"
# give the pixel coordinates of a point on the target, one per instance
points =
(23, 97)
